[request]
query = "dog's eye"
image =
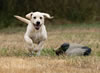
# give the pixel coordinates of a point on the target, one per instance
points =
(34, 17)
(40, 17)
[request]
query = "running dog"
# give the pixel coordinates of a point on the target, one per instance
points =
(36, 31)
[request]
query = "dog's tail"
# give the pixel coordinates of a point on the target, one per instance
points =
(22, 19)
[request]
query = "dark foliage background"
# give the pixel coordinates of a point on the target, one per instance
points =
(72, 10)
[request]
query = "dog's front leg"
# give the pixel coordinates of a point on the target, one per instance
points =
(39, 48)
(29, 42)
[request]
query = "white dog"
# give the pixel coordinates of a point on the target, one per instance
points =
(36, 31)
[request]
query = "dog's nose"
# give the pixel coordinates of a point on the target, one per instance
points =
(37, 23)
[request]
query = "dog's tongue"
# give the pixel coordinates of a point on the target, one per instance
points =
(37, 27)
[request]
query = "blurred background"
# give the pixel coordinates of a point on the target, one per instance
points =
(64, 11)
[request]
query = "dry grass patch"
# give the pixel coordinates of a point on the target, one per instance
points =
(14, 56)
(50, 65)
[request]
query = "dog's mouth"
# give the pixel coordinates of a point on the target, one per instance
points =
(37, 27)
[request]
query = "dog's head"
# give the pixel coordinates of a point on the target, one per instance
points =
(37, 18)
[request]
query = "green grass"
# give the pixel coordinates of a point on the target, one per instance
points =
(23, 53)
(14, 52)
(48, 52)
(76, 25)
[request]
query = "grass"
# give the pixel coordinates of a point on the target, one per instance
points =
(24, 53)
(14, 57)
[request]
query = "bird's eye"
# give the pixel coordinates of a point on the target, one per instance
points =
(40, 17)
(34, 17)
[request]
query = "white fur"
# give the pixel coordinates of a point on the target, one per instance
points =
(32, 35)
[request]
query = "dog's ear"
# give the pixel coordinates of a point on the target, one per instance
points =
(29, 15)
(47, 16)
